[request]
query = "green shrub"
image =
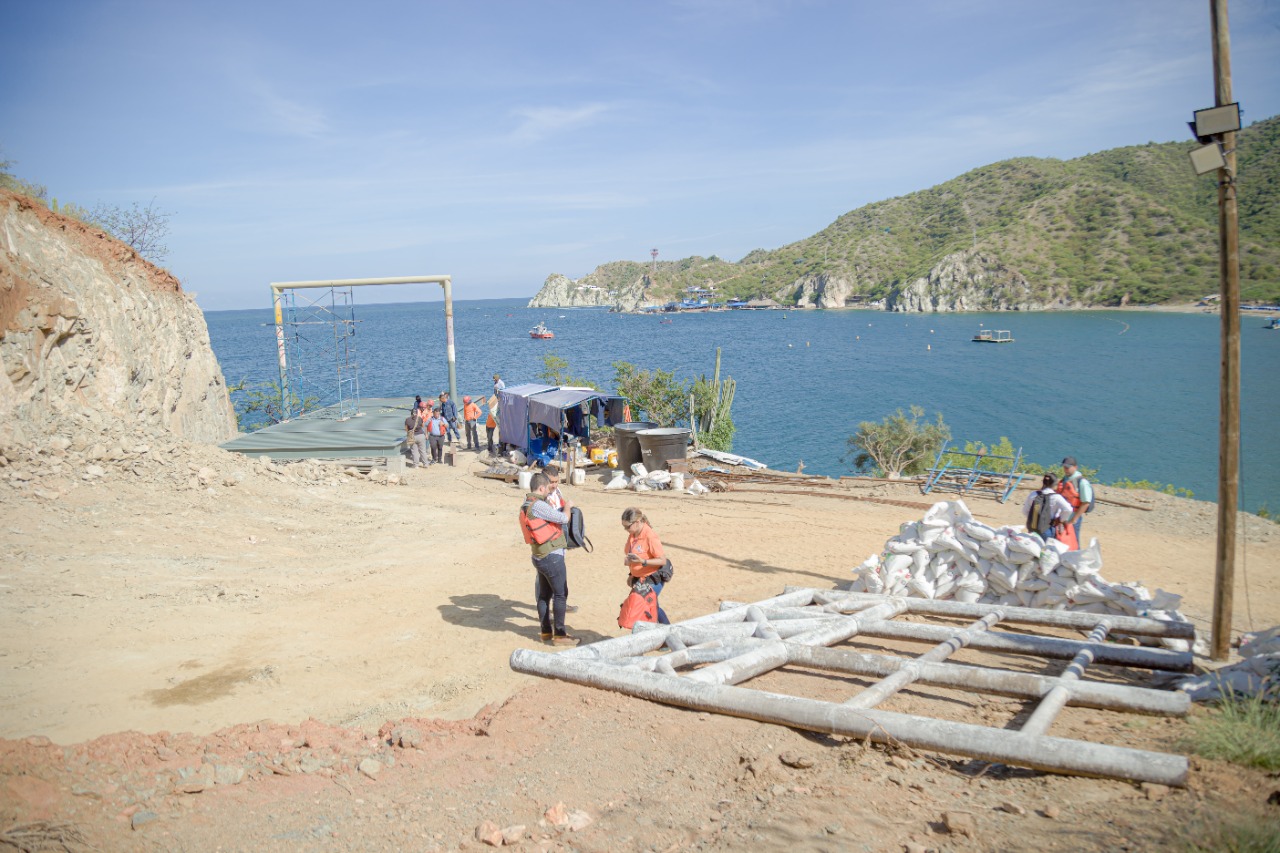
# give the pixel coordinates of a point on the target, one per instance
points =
(1242, 729)
(898, 445)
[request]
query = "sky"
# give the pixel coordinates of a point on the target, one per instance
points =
(500, 142)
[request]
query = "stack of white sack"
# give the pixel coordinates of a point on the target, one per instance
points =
(949, 554)
(1257, 675)
(645, 480)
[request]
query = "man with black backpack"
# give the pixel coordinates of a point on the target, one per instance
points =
(543, 529)
(1046, 510)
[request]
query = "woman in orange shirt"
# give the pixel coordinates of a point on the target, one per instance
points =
(644, 557)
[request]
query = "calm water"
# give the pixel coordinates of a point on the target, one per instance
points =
(1132, 394)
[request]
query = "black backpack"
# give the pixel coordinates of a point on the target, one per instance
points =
(1038, 520)
(576, 531)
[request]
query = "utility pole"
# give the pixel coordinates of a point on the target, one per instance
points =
(1229, 377)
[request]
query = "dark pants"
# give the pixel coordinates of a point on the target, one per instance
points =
(490, 430)
(437, 448)
(552, 591)
(662, 614)
(473, 435)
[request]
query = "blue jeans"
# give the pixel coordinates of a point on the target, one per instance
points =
(552, 592)
(662, 614)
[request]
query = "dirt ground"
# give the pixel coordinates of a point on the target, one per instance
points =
(257, 663)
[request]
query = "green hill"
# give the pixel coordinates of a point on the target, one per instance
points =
(1126, 225)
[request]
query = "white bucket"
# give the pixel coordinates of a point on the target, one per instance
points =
(524, 477)
(578, 477)
(677, 480)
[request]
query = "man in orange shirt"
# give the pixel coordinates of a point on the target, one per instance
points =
(471, 418)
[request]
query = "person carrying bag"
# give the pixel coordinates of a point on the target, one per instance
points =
(648, 570)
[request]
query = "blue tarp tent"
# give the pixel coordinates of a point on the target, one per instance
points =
(533, 417)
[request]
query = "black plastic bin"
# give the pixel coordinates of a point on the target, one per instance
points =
(658, 446)
(628, 445)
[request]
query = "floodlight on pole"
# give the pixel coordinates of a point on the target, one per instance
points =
(1208, 158)
(1213, 121)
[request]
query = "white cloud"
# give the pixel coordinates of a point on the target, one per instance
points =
(537, 123)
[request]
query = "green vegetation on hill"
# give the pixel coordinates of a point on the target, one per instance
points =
(1130, 224)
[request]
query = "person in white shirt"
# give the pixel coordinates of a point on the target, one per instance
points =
(1054, 511)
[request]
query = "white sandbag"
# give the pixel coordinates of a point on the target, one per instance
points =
(1258, 643)
(658, 477)
(618, 482)
(920, 587)
(897, 546)
(1023, 547)
(978, 531)
(696, 488)
(638, 469)
(920, 563)
(895, 564)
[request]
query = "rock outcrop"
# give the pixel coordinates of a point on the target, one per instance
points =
(560, 291)
(819, 291)
(91, 333)
(968, 281)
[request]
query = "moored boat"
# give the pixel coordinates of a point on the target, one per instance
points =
(993, 336)
(541, 332)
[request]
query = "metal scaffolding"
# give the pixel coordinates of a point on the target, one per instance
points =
(708, 656)
(320, 373)
(312, 339)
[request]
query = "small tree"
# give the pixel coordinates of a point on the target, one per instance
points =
(261, 404)
(555, 371)
(897, 445)
(143, 228)
(656, 393)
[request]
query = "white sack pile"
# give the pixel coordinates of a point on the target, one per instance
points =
(949, 554)
(652, 481)
(1258, 674)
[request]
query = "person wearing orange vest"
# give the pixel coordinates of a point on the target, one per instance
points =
(1078, 492)
(470, 418)
(543, 531)
(491, 423)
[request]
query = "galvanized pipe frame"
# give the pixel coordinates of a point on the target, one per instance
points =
(744, 642)
(1040, 752)
(1118, 624)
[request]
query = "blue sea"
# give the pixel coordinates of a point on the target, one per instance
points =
(1132, 394)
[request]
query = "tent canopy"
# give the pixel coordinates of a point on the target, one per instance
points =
(547, 408)
(513, 411)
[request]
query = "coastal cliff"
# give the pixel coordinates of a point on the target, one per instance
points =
(972, 281)
(597, 290)
(96, 340)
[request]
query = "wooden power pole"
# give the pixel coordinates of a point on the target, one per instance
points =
(1229, 378)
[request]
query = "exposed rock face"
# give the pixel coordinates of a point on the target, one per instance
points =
(560, 291)
(820, 291)
(90, 331)
(968, 281)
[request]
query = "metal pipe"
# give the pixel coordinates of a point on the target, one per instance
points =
(1024, 685)
(1041, 752)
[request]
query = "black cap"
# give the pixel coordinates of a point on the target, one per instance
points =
(1070, 460)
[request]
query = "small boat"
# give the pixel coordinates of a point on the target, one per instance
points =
(1274, 324)
(541, 332)
(993, 336)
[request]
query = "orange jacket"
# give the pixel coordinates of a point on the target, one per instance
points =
(1067, 488)
(471, 412)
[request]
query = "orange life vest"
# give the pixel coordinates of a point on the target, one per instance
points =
(1067, 488)
(536, 531)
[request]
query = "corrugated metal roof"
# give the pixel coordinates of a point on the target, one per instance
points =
(376, 430)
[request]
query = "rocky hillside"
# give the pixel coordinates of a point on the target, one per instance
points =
(101, 350)
(1128, 225)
